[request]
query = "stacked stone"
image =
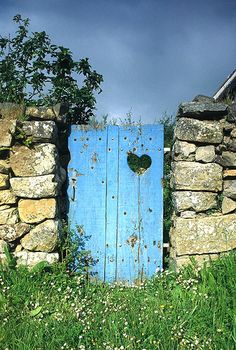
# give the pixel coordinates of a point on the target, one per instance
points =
(30, 183)
(203, 181)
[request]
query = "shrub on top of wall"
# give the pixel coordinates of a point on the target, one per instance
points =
(33, 71)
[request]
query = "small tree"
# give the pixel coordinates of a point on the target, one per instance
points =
(35, 71)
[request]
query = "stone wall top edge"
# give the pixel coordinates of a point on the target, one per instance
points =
(202, 110)
(9, 110)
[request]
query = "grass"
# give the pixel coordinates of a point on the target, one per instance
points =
(47, 308)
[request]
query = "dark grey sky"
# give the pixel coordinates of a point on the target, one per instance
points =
(153, 54)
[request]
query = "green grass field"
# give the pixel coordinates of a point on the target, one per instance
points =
(47, 308)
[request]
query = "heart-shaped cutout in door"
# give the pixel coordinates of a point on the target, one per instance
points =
(139, 164)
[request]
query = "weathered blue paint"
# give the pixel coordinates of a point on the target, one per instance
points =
(112, 203)
(120, 211)
(87, 190)
(128, 208)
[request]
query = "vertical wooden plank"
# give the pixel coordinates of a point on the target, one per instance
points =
(151, 200)
(120, 211)
(112, 202)
(128, 219)
(87, 191)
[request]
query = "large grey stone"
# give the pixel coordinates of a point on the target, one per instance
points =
(8, 216)
(205, 154)
(12, 232)
(193, 130)
(44, 237)
(229, 188)
(196, 176)
(43, 131)
(36, 187)
(7, 197)
(211, 234)
(203, 99)
(202, 110)
(32, 258)
(228, 205)
(45, 113)
(7, 129)
(40, 160)
(197, 201)
(56, 112)
(184, 150)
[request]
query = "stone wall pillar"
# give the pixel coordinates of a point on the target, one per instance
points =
(31, 180)
(203, 181)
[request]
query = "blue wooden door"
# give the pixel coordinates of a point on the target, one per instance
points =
(115, 198)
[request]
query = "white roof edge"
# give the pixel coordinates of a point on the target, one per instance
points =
(225, 85)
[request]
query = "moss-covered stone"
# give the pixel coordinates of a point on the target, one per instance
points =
(195, 176)
(39, 160)
(207, 235)
(192, 130)
(44, 237)
(36, 186)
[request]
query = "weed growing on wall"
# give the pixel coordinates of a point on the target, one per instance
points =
(74, 257)
(21, 137)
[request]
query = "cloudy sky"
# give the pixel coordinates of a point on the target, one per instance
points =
(153, 54)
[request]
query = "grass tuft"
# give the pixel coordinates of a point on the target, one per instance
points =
(50, 308)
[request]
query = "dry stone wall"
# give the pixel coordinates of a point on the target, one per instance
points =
(33, 163)
(203, 181)
(31, 182)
